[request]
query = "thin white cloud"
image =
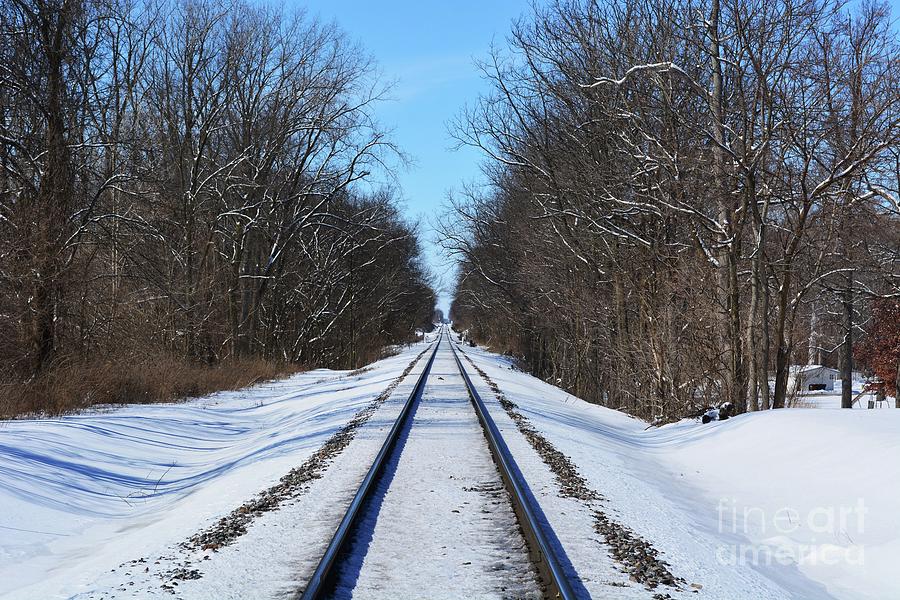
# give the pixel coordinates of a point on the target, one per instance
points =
(428, 74)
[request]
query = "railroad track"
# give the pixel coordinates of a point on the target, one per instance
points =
(541, 554)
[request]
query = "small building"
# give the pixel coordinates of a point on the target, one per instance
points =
(812, 378)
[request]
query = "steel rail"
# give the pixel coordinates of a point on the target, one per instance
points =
(322, 579)
(543, 555)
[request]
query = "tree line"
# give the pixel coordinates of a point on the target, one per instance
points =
(684, 197)
(190, 179)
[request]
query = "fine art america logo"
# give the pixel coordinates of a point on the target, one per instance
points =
(823, 535)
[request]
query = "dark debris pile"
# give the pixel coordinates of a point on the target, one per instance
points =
(639, 558)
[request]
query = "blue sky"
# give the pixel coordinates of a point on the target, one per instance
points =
(428, 48)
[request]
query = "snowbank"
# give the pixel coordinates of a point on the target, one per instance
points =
(790, 504)
(793, 504)
(79, 494)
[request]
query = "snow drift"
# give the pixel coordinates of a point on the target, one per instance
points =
(793, 504)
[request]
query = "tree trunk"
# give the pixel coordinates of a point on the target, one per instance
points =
(847, 345)
(43, 330)
(738, 374)
(765, 399)
(897, 386)
(783, 353)
(812, 351)
(781, 376)
(54, 195)
(736, 383)
(752, 342)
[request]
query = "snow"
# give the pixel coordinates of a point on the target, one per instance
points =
(81, 494)
(440, 519)
(768, 487)
(83, 497)
(807, 368)
(832, 398)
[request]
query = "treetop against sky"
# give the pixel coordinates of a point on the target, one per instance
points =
(429, 50)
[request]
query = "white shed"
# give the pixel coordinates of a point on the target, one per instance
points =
(811, 378)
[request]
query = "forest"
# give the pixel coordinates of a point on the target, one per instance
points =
(682, 200)
(188, 202)
(685, 198)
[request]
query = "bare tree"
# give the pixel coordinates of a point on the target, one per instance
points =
(675, 183)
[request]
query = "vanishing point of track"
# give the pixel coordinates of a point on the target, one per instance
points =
(541, 551)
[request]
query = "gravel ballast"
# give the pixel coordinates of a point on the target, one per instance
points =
(636, 556)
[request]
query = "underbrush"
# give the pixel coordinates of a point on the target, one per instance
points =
(74, 386)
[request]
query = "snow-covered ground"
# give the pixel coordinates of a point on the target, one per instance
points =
(82, 495)
(832, 399)
(790, 504)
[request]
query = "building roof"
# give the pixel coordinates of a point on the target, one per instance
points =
(809, 368)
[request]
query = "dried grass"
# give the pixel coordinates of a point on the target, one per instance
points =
(75, 386)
